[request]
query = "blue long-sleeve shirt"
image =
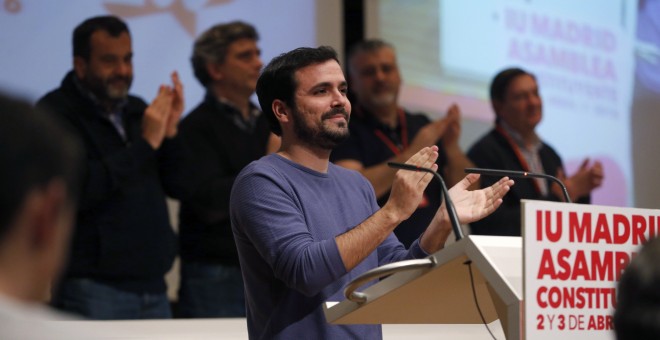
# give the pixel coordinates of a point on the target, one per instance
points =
(285, 218)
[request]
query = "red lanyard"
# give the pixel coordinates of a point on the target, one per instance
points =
(404, 135)
(404, 144)
(519, 155)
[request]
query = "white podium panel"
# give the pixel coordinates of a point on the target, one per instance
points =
(442, 293)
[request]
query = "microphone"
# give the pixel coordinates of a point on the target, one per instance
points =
(518, 174)
(451, 210)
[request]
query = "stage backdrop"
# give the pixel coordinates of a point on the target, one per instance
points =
(36, 36)
(589, 57)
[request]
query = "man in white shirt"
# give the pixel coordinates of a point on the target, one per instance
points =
(38, 177)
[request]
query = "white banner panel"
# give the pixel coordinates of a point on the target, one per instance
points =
(574, 255)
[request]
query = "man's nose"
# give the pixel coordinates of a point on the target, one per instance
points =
(339, 98)
(124, 68)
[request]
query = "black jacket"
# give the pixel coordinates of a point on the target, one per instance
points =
(217, 150)
(122, 235)
(494, 152)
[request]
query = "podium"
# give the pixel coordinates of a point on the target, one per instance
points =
(438, 289)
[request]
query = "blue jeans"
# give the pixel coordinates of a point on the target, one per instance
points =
(210, 291)
(97, 301)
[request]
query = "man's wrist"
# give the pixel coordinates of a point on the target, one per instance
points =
(391, 216)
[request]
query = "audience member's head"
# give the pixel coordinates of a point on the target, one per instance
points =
(515, 98)
(228, 53)
(278, 80)
(39, 181)
(374, 76)
(637, 316)
(103, 57)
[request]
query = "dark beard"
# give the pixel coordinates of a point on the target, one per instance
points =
(101, 88)
(321, 137)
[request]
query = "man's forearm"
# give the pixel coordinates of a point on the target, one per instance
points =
(356, 244)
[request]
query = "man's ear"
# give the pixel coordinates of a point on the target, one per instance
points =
(281, 110)
(49, 230)
(51, 204)
(214, 72)
(80, 66)
(497, 107)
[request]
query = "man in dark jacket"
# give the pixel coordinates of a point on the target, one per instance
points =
(123, 243)
(223, 134)
(514, 145)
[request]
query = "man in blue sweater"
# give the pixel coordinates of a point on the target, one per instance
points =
(304, 227)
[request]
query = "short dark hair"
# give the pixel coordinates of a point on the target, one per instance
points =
(637, 314)
(500, 85)
(367, 46)
(82, 33)
(503, 79)
(35, 150)
(212, 45)
(278, 78)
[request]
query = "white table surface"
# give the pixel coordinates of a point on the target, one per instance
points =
(235, 328)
